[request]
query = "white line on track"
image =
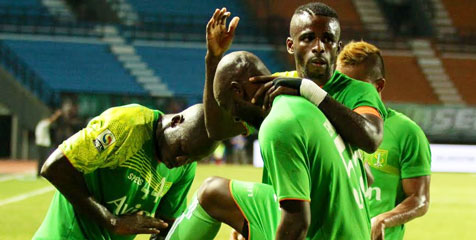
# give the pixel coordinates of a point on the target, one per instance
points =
(15, 177)
(26, 195)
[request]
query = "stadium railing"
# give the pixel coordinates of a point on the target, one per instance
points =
(27, 77)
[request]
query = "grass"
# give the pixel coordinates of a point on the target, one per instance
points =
(452, 211)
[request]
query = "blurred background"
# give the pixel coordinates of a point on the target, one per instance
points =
(83, 56)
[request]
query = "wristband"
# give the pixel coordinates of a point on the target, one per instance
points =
(312, 92)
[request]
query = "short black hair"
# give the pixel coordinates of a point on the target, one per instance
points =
(318, 9)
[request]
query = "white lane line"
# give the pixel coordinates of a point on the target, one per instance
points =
(26, 195)
(14, 177)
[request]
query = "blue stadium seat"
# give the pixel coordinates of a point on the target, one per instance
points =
(191, 16)
(183, 69)
(76, 67)
(21, 3)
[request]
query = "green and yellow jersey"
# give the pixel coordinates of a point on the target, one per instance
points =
(116, 154)
(308, 161)
(404, 153)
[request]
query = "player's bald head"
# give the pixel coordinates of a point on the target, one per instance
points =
(195, 133)
(236, 67)
(183, 138)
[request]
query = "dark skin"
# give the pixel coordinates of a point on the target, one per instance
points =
(417, 190)
(314, 43)
(172, 150)
(216, 199)
(70, 182)
(221, 125)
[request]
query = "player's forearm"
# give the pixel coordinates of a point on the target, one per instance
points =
(70, 182)
(353, 127)
(412, 207)
(365, 133)
(219, 124)
(291, 229)
(295, 220)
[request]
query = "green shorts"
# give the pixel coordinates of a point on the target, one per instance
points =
(259, 205)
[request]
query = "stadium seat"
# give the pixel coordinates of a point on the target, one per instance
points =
(461, 72)
(408, 86)
(76, 67)
(183, 68)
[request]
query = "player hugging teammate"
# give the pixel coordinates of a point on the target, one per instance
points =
(129, 170)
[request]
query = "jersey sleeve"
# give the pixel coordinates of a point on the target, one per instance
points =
(416, 155)
(365, 95)
(110, 138)
(175, 200)
(283, 151)
(91, 147)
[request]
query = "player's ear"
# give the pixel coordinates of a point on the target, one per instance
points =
(176, 120)
(290, 45)
(380, 84)
(339, 46)
(237, 89)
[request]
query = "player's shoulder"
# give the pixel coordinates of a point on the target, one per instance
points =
(402, 123)
(290, 113)
(131, 111)
(286, 74)
(347, 85)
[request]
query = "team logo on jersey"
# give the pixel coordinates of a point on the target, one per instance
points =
(379, 158)
(104, 140)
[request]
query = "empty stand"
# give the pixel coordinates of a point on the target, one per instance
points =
(461, 72)
(76, 67)
(183, 68)
(21, 3)
(285, 9)
(406, 82)
(461, 13)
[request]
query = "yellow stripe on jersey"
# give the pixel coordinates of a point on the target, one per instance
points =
(144, 167)
(286, 74)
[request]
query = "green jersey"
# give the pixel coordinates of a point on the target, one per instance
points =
(307, 160)
(350, 92)
(116, 154)
(404, 153)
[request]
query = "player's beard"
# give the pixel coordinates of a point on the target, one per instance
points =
(317, 75)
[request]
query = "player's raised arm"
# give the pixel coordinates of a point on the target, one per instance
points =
(70, 182)
(220, 125)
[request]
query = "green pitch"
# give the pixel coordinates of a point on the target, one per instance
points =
(452, 214)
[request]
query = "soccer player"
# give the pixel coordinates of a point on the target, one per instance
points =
(401, 165)
(317, 185)
(128, 172)
(353, 107)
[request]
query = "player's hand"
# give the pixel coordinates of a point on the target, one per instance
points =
(138, 223)
(269, 91)
(219, 38)
(378, 229)
(236, 235)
